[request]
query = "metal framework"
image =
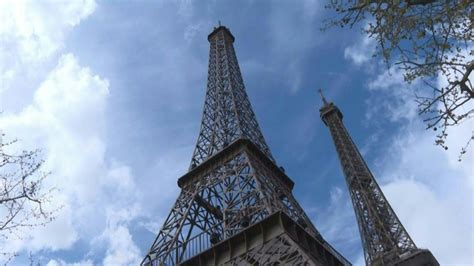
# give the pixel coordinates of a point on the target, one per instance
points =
(233, 182)
(227, 113)
(384, 239)
(276, 240)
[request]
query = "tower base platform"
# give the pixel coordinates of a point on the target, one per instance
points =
(276, 240)
(420, 257)
(417, 257)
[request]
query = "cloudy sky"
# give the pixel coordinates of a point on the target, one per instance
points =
(112, 92)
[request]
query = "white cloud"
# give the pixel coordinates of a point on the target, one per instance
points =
(59, 262)
(121, 250)
(430, 190)
(360, 52)
(432, 194)
(67, 120)
(32, 31)
(31, 34)
(390, 97)
(434, 221)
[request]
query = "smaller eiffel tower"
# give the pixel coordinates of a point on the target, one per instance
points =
(385, 240)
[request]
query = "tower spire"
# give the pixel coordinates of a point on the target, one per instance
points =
(384, 239)
(322, 97)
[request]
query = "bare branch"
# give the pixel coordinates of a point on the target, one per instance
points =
(429, 40)
(22, 197)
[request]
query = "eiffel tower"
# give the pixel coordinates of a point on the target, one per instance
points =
(236, 205)
(384, 239)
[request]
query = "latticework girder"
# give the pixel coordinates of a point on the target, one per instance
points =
(227, 113)
(232, 190)
(276, 240)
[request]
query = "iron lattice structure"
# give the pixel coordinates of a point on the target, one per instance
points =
(384, 239)
(227, 113)
(232, 185)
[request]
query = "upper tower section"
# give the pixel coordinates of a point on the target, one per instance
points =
(328, 109)
(221, 29)
(227, 114)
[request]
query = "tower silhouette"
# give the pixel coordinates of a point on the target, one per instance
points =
(236, 205)
(384, 239)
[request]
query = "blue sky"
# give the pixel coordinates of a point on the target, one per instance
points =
(112, 92)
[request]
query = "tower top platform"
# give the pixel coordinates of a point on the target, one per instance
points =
(327, 108)
(219, 29)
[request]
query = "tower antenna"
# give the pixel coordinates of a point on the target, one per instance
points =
(322, 97)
